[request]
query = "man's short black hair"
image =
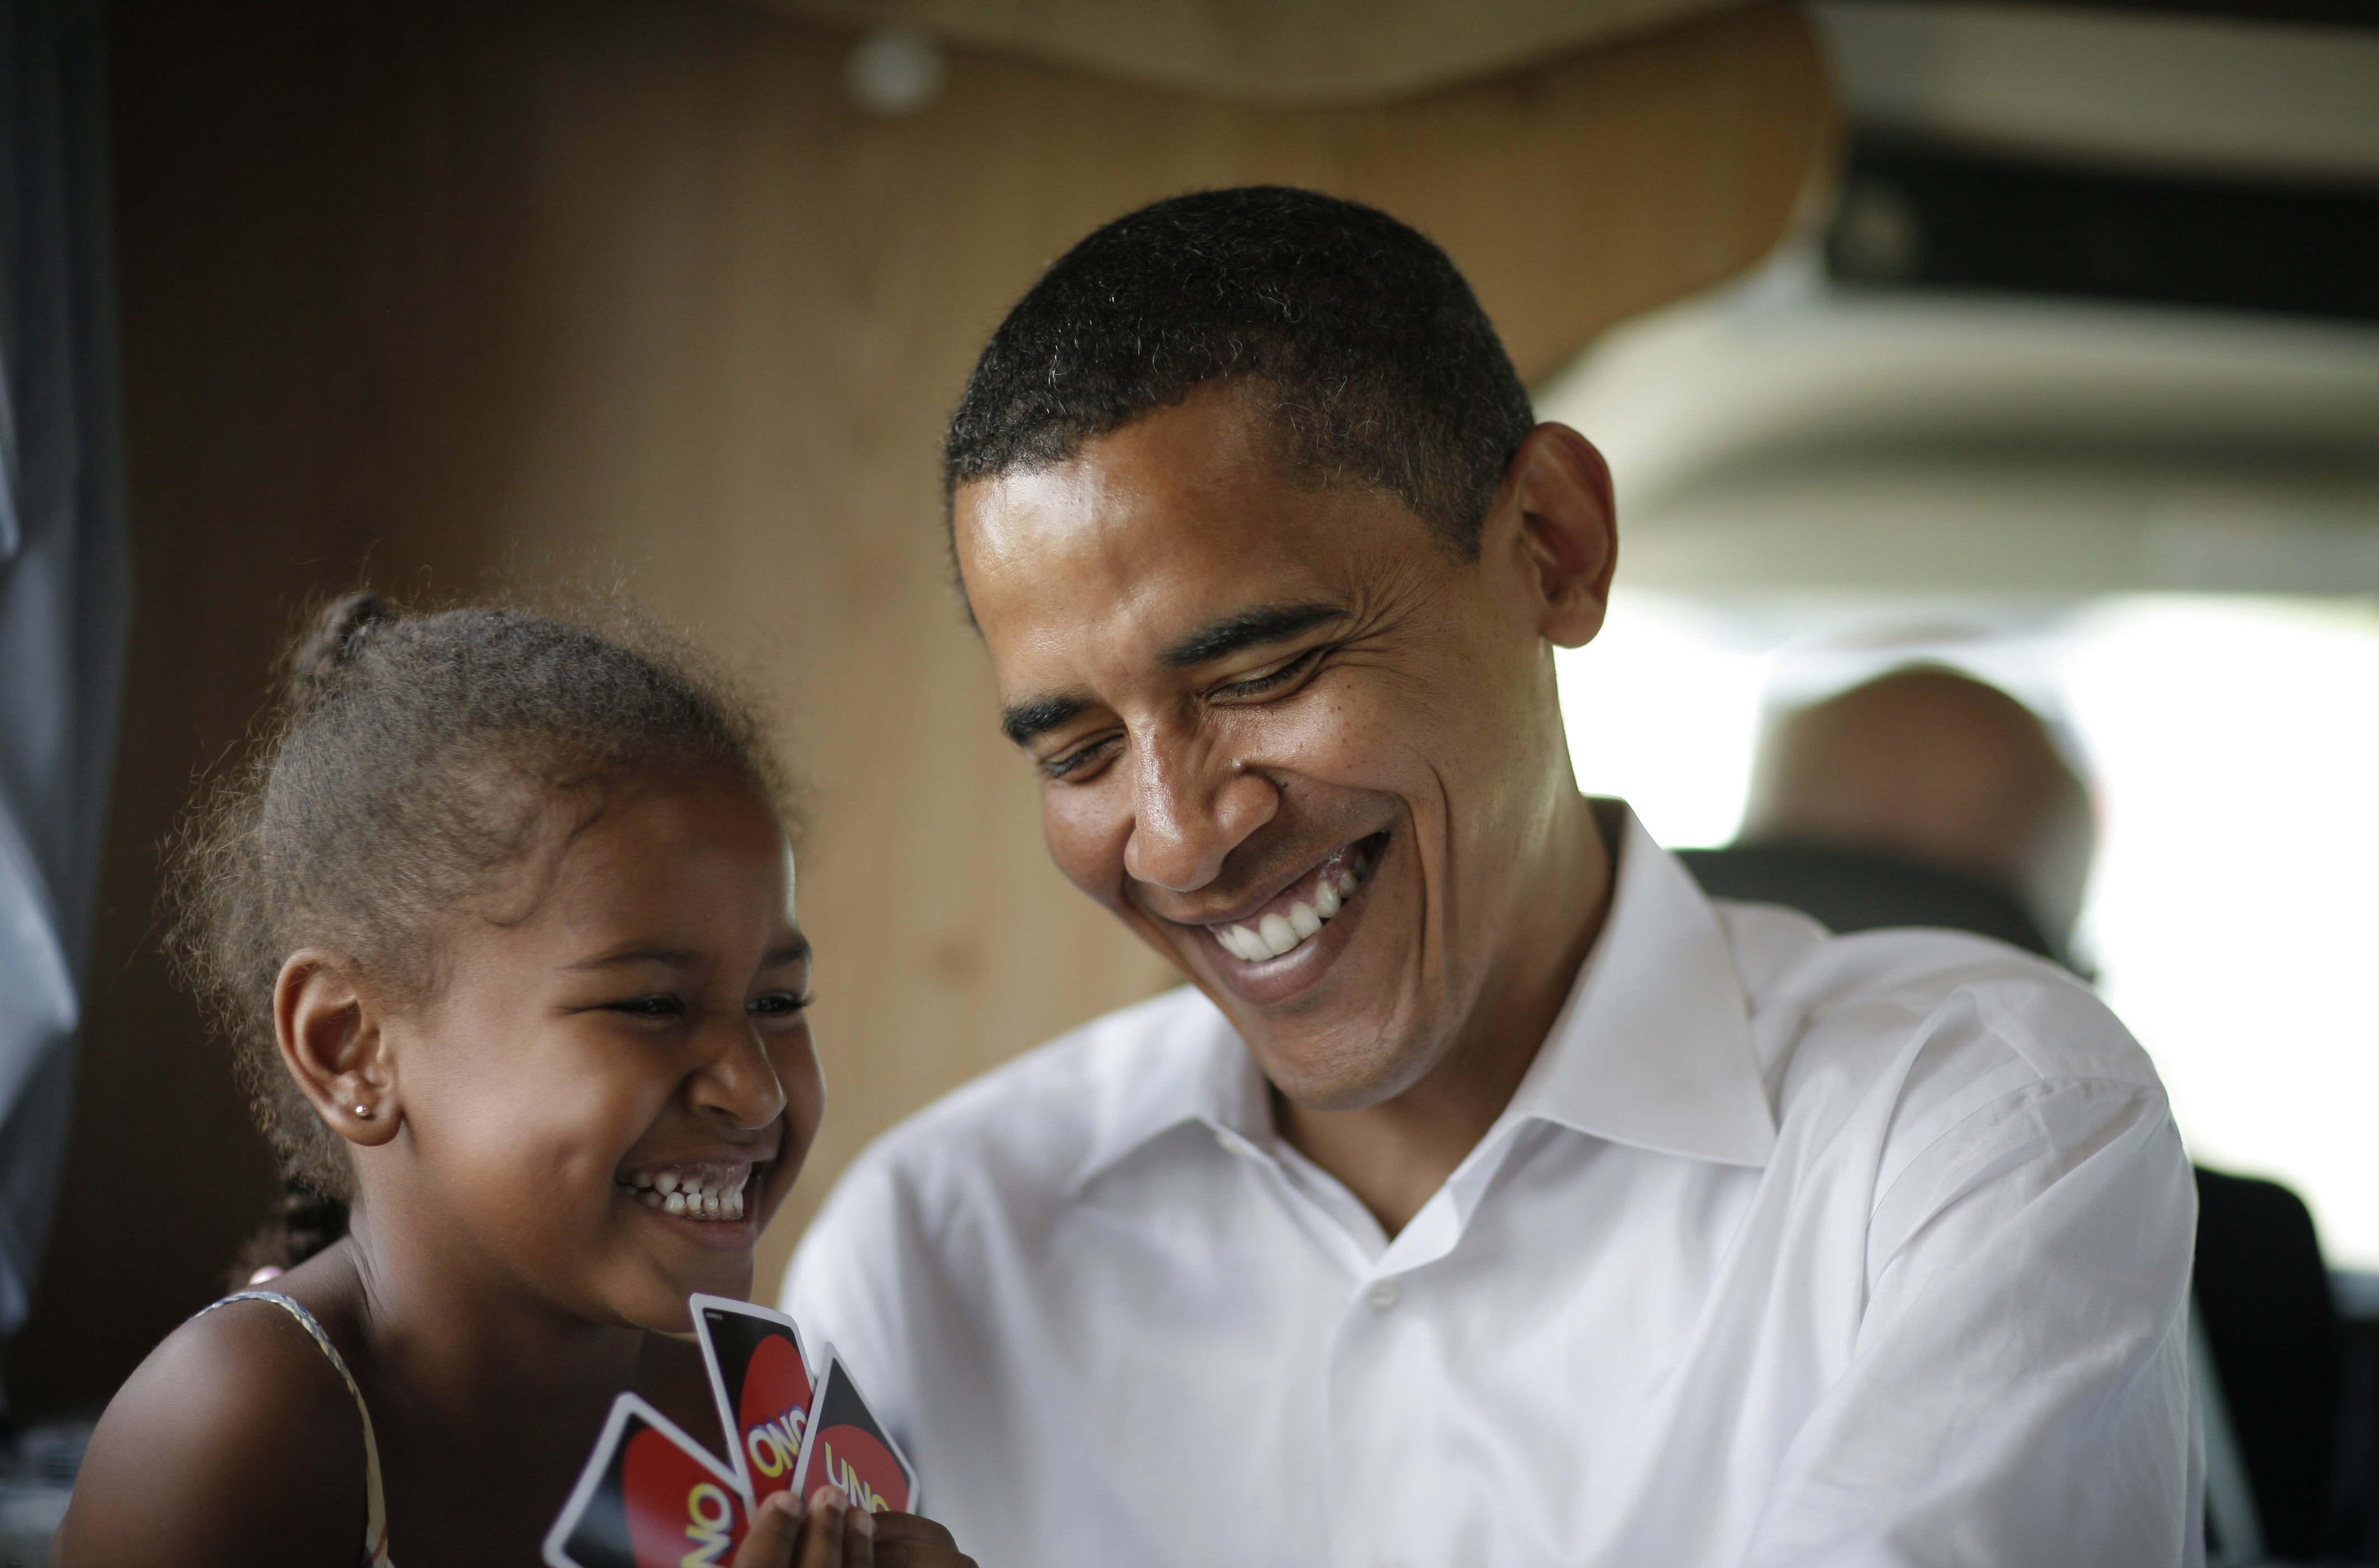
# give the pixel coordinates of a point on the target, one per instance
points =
(1380, 365)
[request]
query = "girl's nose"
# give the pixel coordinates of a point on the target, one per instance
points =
(739, 1082)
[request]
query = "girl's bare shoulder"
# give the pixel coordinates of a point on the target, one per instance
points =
(236, 1441)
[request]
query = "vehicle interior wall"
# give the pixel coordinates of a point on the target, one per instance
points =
(627, 294)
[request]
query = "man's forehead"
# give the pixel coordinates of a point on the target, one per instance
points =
(1179, 478)
(1169, 589)
(1182, 517)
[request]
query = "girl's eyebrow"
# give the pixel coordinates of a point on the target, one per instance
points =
(792, 952)
(638, 953)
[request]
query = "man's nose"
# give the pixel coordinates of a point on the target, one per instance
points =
(1190, 809)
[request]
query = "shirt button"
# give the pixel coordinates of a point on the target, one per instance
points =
(1384, 1294)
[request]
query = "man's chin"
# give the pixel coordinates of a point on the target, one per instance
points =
(1329, 1075)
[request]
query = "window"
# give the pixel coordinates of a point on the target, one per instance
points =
(2234, 744)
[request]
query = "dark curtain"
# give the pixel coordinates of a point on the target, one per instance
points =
(65, 586)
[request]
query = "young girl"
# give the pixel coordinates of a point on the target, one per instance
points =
(501, 922)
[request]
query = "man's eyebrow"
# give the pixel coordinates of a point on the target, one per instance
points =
(1249, 628)
(1034, 716)
(1037, 716)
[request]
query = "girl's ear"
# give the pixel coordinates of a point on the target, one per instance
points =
(330, 1039)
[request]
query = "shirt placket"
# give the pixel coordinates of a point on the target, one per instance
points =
(1378, 1397)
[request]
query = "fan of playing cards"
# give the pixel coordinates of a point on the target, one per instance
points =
(651, 1497)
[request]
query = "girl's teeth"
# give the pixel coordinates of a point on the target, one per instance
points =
(688, 1195)
(1325, 901)
(1303, 920)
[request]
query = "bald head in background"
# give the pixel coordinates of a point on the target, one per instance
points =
(1936, 768)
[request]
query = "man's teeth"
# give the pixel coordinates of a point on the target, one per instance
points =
(704, 1198)
(1276, 933)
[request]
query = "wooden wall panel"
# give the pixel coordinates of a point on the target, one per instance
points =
(623, 291)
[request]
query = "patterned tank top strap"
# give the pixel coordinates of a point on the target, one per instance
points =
(375, 1502)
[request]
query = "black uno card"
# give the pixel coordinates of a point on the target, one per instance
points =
(649, 1498)
(848, 1448)
(761, 1378)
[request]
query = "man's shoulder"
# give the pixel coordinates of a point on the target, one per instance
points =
(1874, 1002)
(1031, 1123)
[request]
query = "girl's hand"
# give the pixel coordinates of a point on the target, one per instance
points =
(832, 1534)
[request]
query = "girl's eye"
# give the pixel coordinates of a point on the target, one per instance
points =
(778, 1003)
(650, 1007)
(1270, 679)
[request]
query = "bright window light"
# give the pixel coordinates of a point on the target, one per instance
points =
(2235, 911)
(1662, 713)
(2234, 915)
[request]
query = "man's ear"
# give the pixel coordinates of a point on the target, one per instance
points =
(328, 1029)
(1568, 530)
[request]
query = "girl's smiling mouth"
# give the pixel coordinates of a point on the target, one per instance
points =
(698, 1189)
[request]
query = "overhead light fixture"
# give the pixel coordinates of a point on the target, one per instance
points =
(896, 71)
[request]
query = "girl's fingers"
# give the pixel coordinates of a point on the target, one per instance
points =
(769, 1542)
(859, 1540)
(824, 1532)
(832, 1534)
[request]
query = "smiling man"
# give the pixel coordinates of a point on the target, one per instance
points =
(1490, 1196)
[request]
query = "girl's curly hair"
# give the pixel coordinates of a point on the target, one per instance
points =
(410, 771)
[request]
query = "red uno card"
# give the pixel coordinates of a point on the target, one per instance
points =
(847, 1447)
(762, 1382)
(649, 1497)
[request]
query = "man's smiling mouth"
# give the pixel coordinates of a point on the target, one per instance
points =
(1297, 913)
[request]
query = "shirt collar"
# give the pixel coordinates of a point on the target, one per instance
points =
(1191, 1067)
(1652, 1048)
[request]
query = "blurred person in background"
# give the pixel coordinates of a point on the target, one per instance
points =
(1925, 797)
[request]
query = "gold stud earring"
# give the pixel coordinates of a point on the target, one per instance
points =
(364, 1111)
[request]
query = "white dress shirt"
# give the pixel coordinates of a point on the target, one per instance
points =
(1791, 1249)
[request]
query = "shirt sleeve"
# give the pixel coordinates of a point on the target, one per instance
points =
(2018, 1389)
